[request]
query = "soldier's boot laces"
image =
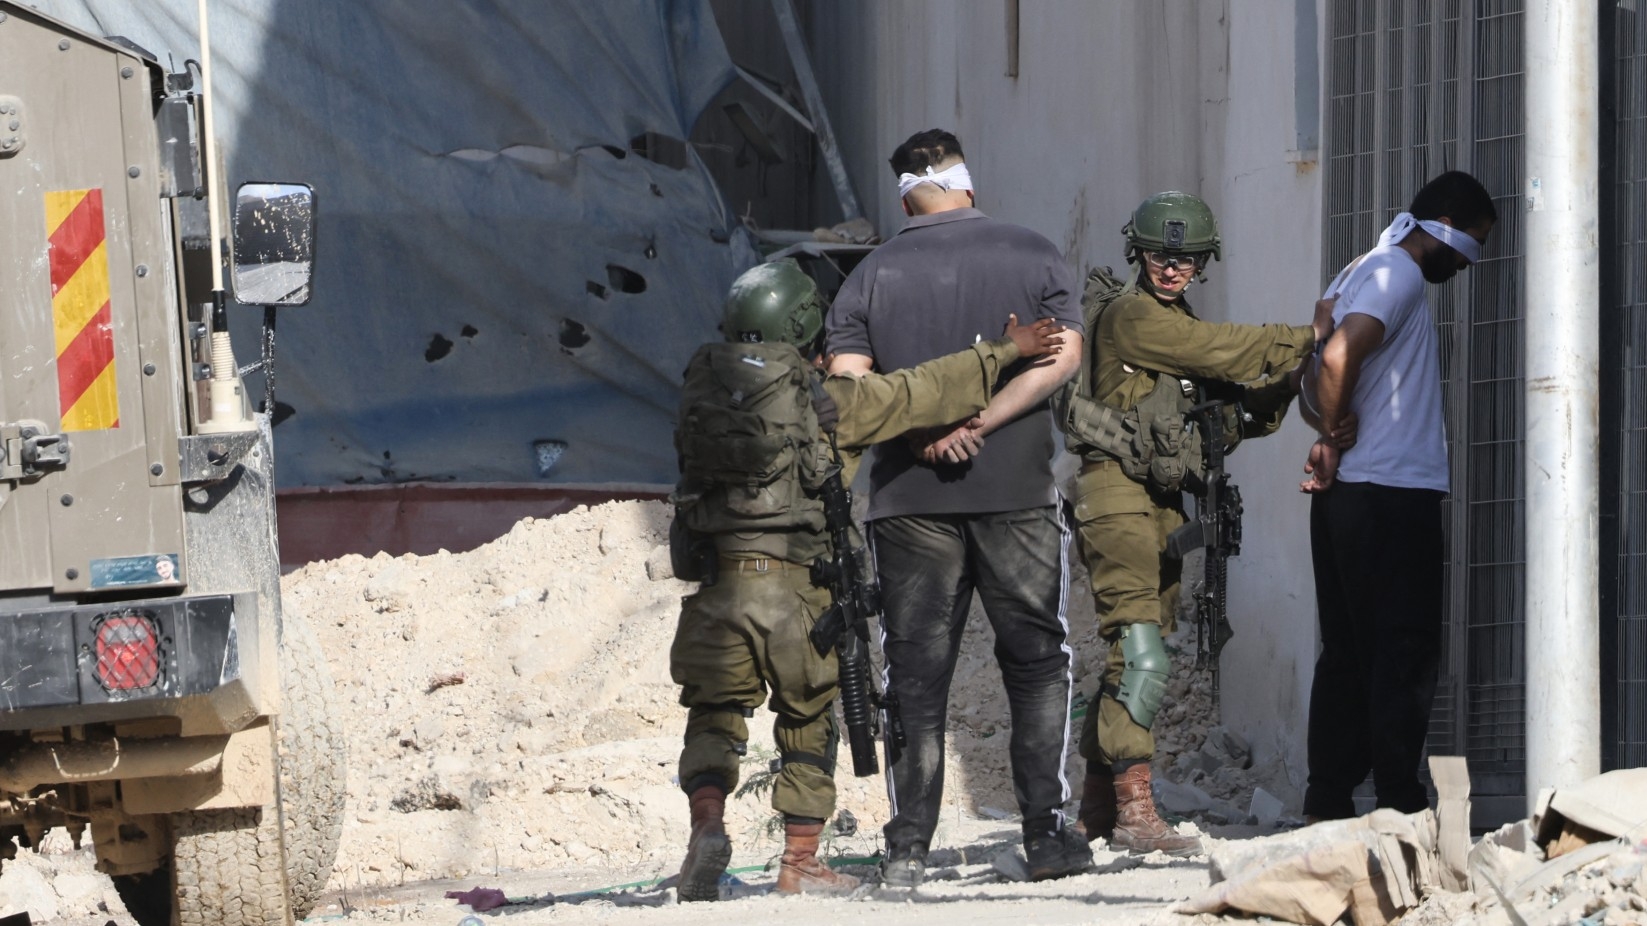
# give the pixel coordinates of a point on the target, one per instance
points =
(802, 872)
(1138, 827)
(1097, 817)
(708, 851)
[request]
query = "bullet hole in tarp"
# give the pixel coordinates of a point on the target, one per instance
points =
(469, 331)
(651, 251)
(720, 235)
(596, 290)
(657, 190)
(573, 335)
(547, 453)
(625, 280)
(282, 411)
(438, 347)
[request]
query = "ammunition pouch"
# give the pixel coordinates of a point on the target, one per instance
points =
(1151, 440)
(1166, 466)
(1144, 674)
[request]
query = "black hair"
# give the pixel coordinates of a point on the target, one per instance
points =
(1458, 196)
(925, 149)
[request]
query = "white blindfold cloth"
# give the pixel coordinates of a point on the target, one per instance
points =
(1451, 237)
(954, 177)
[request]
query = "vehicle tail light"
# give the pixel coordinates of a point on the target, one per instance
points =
(128, 652)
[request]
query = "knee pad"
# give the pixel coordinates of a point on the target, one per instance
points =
(1144, 675)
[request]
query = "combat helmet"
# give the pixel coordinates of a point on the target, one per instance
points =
(773, 302)
(1172, 223)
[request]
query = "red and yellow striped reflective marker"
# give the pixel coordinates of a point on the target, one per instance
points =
(86, 393)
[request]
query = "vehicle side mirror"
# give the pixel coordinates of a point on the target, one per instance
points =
(274, 243)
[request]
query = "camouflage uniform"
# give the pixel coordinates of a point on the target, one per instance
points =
(1123, 524)
(747, 633)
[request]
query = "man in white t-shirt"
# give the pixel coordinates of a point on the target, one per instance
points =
(1375, 519)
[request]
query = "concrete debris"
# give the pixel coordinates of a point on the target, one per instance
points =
(1265, 808)
(1180, 800)
(1374, 867)
(56, 882)
(1227, 748)
(1578, 862)
(658, 564)
(1507, 855)
(389, 591)
(1452, 786)
(1607, 805)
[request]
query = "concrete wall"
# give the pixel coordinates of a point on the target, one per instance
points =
(1113, 101)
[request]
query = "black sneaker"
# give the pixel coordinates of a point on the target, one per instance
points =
(905, 867)
(1057, 855)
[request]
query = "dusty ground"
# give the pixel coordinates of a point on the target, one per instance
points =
(512, 724)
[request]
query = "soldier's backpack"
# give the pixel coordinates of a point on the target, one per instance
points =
(1086, 423)
(748, 438)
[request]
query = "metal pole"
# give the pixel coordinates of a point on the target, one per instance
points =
(1563, 660)
(802, 62)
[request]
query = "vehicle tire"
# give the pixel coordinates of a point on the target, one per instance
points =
(228, 868)
(313, 762)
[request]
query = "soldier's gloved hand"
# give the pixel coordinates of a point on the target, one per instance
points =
(1322, 465)
(961, 443)
(1037, 338)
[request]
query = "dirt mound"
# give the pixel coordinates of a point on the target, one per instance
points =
(510, 708)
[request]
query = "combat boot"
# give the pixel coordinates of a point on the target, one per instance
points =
(1097, 816)
(1058, 854)
(802, 872)
(708, 851)
(1137, 826)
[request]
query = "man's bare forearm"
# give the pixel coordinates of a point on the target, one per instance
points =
(1335, 381)
(853, 364)
(1031, 387)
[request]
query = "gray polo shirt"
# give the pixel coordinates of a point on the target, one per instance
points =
(946, 280)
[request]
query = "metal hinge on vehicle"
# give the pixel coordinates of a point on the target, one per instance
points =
(28, 450)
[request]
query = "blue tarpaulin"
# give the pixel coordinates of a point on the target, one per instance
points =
(505, 292)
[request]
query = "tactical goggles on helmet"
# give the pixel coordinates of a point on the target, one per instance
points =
(1181, 262)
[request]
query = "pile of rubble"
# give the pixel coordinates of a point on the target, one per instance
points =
(1578, 860)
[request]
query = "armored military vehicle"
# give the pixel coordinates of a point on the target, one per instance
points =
(152, 689)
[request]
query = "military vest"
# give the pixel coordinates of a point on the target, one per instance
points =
(750, 450)
(1151, 440)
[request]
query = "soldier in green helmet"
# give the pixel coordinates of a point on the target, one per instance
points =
(1149, 360)
(759, 431)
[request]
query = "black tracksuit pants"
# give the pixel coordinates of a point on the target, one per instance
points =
(1378, 554)
(1018, 563)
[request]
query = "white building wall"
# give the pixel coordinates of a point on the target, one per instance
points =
(1114, 100)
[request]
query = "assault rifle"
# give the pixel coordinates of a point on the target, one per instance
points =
(846, 626)
(1216, 528)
